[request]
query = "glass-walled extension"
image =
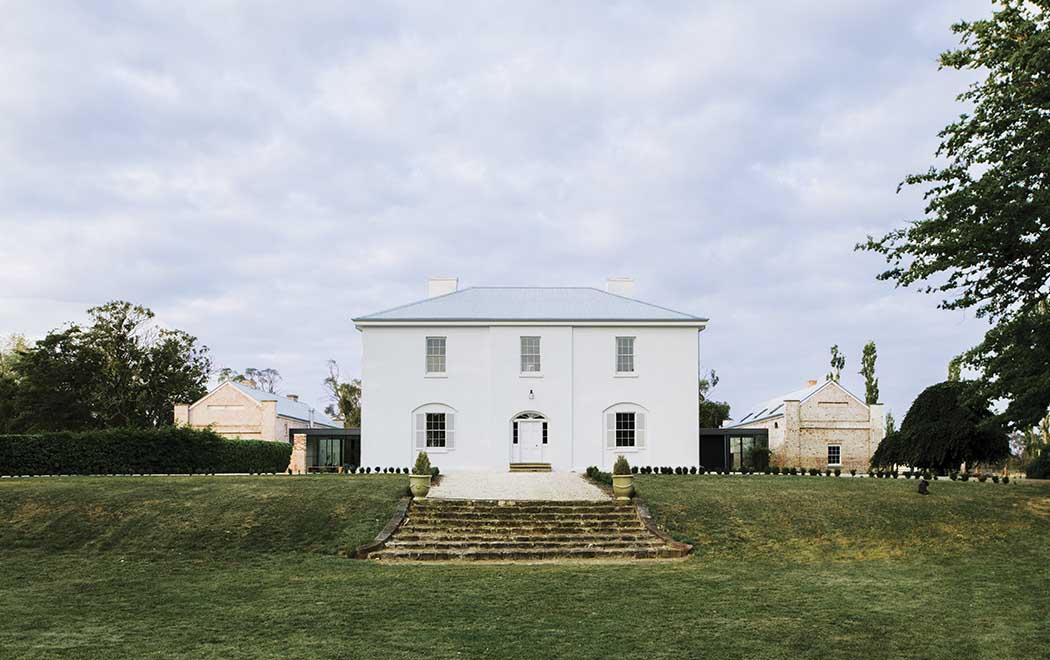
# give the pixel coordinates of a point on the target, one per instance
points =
(733, 449)
(329, 449)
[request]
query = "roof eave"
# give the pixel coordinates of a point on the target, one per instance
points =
(693, 322)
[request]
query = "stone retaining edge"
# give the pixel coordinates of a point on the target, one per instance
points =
(647, 519)
(362, 551)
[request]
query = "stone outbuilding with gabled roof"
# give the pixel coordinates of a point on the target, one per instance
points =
(822, 425)
(236, 410)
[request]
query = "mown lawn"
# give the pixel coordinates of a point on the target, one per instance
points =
(785, 567)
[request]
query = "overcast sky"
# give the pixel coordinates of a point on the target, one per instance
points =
(259, 173)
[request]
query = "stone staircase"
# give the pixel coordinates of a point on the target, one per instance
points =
(435, 529)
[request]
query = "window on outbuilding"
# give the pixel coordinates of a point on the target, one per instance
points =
(834, 454)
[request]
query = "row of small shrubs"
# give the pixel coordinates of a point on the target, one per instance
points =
(355, 469)
(596, 474)
(980, 476)
(167, 450)
(700, 469)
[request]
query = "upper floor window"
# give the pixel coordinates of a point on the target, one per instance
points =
(435, 355)
(625, 355)
(530, 355)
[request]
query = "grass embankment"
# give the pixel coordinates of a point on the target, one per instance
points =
(785, 568)
(205, 517)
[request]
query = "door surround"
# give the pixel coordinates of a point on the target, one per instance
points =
(529, 438)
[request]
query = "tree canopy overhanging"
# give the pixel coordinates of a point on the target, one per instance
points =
(983, 242)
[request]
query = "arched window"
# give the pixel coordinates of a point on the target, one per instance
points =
(626, 427)
(434, 427)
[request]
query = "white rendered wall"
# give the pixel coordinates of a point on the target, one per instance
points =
(484, 385)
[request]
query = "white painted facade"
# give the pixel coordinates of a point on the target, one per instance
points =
(483, 390)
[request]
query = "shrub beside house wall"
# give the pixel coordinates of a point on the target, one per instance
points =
(170, 450)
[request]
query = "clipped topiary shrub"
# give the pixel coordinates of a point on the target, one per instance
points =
(813, 472)
(838, 472)
(621, 466)
(1006, 478)
(853, 472)
(422, 465)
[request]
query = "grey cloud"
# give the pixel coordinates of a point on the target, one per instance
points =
(258, 174)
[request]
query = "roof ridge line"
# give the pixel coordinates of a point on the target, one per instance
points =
(416, 302)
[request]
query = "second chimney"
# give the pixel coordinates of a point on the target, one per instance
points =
(810, 383)
(439, 286)
(621, 286)
(293, 397)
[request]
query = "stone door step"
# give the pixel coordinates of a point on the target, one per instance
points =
(530, 467)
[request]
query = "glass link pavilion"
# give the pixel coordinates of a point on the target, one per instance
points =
(731, 449)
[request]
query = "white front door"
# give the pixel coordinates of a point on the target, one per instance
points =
(530, 441)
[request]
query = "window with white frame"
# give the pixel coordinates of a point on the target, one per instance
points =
(834, 454)
(625, 428)
(435, 430)
(435, 355)
(530, 355)
(625, 355)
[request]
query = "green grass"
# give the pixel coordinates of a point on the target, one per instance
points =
(785, 567)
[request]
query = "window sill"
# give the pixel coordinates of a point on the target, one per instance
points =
(436, 450)
(834, 465)
(626, 450)
(625, 374)
(531, 374)
(436, 375)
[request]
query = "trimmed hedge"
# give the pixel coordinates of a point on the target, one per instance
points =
(168, 450)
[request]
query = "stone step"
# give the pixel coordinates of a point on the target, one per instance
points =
(440, 504)
(530, 467)
(511, 518)
(525, 528)
(409, 534)
(468, 543)
(532, 554)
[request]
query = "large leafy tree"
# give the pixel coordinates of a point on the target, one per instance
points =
(947, 425)
(984, 240)
(345, 397)
(120, 370)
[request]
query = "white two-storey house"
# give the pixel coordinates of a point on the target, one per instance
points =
(566, 377)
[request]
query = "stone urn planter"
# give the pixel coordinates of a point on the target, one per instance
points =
(623, 479)
(419, 484)
(419, 480)
(623, 486)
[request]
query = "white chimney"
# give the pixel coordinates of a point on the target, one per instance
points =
(293, 397)
(621, 286)
(439, 286)
(810, 383)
